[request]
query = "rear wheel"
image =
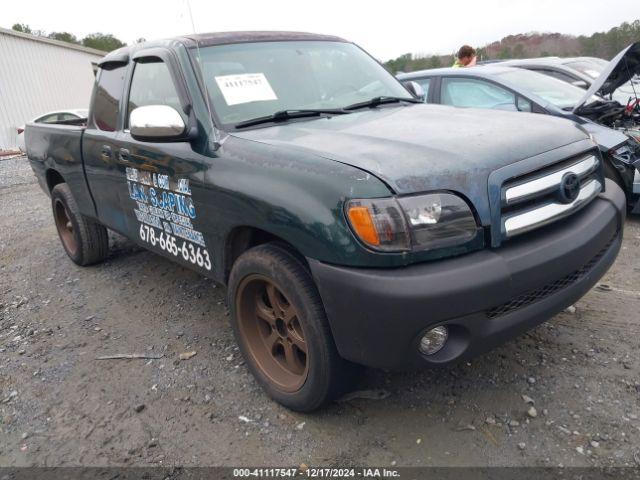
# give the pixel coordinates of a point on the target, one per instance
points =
(281, 327)
(85, 241)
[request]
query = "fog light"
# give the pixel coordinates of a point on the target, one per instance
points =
(433, 341)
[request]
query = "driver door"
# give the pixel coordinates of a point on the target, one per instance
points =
(159, 209)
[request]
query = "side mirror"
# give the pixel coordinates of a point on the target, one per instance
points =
(156, 122)
(415, 89)
(580, 83)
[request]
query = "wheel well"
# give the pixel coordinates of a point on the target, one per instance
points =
(242, 239)
(53, 178)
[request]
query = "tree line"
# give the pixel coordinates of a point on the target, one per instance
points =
(100, 41)
(600, 44)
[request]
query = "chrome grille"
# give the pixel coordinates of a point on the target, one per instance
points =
(539, 198)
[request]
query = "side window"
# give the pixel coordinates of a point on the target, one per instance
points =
(469, 92)
(524, 105)
(65, 117)
(152, 85)
(51, 118)
(424, 83)
(107, 97)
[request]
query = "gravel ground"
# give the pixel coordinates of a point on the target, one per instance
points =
(567, 393)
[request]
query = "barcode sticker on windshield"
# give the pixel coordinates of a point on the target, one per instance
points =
(245, 87)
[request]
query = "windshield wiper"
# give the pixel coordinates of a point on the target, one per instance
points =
(283, 115)
(375, 101)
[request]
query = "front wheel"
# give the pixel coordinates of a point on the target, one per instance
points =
(85, 241)
(280, 325)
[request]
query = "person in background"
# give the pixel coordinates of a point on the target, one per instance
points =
(466, 57)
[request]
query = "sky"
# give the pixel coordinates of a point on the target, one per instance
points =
(385, 29)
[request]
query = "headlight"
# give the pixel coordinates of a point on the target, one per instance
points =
(439, 220)
(431, 221)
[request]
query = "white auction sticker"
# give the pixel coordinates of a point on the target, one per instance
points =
(245, 88)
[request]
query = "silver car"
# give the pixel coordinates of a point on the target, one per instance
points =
(59, 116)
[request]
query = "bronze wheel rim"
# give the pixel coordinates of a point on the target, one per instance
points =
(65, 227)
(271, 330)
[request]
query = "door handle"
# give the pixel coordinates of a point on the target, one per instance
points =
(106, 151)
(123, 154)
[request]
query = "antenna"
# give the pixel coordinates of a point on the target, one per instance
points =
(214, 130)
(193, 27)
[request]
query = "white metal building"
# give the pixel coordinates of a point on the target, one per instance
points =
(38, 75)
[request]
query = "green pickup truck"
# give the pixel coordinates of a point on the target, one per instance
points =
(351, 224)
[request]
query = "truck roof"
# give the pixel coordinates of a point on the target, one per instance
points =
(219, 38)
(224, 38)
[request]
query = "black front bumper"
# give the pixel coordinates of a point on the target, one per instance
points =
(378, 316)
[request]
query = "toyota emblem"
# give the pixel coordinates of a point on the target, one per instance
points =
(569, 187)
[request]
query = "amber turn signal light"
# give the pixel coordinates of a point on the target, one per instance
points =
(362, 223)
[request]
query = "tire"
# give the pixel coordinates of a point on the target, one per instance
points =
(270, 279)
(85, 241)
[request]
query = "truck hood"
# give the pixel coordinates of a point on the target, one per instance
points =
(423, 147)
(624, 66)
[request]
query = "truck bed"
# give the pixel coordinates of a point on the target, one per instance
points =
(59, 147)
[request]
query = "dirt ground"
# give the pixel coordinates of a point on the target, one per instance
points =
(59, 405)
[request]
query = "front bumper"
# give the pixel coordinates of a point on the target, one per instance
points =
(378, 316)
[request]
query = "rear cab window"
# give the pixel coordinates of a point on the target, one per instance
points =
(107, 95)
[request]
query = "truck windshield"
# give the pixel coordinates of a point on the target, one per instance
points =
(561, 94)
(250, 80)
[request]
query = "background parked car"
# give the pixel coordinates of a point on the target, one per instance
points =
(507, 88)
(54, 117)
(578, 71)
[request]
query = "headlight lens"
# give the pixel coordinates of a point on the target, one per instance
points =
(435, 220)
(439, 220)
